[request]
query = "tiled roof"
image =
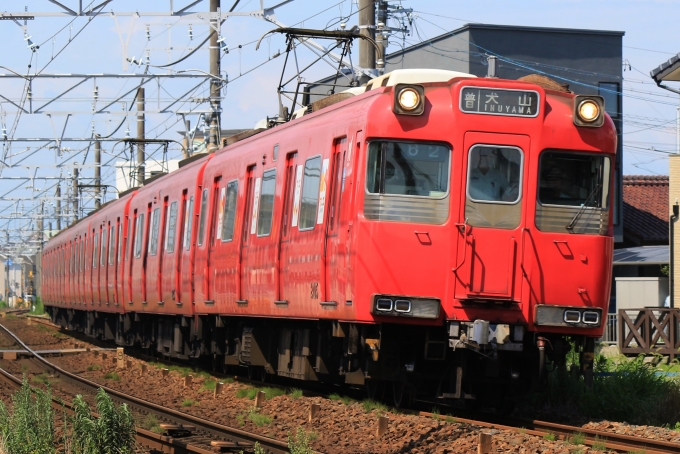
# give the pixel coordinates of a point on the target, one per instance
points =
(645, 208)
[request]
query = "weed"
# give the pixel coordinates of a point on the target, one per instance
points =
(578, 438)
(112, 376)
(258, 418)
(208, 385)
(299, 444)
(577, 451)
(450, 419)
(241, 420)
(523, 430)
(677, 426)
(241, 393)
(58, 335)
(92, 367)
(257, 449)
(295, 393)
(29, 428)
(335, 397)
(151, 423)
(41, 379)
(228, 380)
(550, 436)
(311, 436)
(370, 405)
(188, 403)
(435, 411)
(37, 307)
(600, 444)
(24, 368)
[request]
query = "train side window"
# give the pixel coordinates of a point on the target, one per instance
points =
(102, 253)
(266, 209)
(171, 229)
(229, 216)
(310, 193)
(188, 223)
(202, 216)
(128, 239)
(112, 245)
(95, 251)
(120, 239)
(139, 233)
(155, 221)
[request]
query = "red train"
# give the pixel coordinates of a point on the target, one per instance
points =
(430, 231)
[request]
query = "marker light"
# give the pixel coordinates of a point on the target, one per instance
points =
(409, 99)
(588, 110)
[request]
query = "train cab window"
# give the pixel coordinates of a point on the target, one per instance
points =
(103, 246)
(95, 251)
(266, 209)
(202, 216)
(155, 221)
(494, 174)
(411, 169)
(139, 233)
(171, 229)
(573, 193)
(229, 215)
(188, 223)
(310, 193)
(112, 245)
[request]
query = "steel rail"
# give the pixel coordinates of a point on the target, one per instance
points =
(613, 441)
(207, 428)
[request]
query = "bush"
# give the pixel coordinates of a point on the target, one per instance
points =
(37, 307)
(300, 443)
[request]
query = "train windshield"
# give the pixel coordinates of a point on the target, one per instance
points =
(574, 179)
(406, 168)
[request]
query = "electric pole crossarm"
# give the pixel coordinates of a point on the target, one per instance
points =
(59, 96)
(165, 109)
(141, 84)
(14, 104)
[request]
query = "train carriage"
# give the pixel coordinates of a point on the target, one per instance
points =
(429, 228)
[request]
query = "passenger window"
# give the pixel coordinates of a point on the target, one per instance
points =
(128, 239)
(310, 193)
(155, 221)
(171, 229)
(120, 240)
(266, 209)
(494, 174)
(188, 223)
(403, 168)
(201, 217)
(229, 216)
(95, 251)
(572, 179)
(112, 245)
(103, 246)
(139, 233)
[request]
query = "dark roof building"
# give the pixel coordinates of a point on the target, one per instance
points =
(645, 210)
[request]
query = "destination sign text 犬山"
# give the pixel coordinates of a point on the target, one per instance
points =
(494, 101)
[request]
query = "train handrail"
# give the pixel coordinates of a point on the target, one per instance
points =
(464, 231)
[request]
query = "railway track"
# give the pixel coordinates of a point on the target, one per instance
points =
(184, 433)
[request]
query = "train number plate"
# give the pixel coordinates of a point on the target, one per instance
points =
(494, 101)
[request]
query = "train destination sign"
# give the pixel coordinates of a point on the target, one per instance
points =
(493, 101)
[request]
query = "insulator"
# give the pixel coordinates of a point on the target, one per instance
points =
(96, 93)
(148, 33)
(191, 32)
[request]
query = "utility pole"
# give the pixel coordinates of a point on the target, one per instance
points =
(185, 141)
(75, 194)
(97, 173)
(140, 135)
(215, 84)
(41, 224)
(367, 28)
(58, 207)
(380, 38)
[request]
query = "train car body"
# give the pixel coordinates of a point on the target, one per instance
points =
(431, 227)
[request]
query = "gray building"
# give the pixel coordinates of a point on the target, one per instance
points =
(589, 61)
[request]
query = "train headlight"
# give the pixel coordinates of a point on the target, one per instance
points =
(588, 111)
(409, 99)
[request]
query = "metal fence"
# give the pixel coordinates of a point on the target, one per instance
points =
(610, 335)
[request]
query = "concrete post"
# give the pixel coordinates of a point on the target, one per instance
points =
(367, 26)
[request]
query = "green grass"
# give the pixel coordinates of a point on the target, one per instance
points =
(370, 405)
(208, 385)
(241, 419)
(295, 393)
(151, 423)
(676, 427)
(92, 367)
(450, 419)
(335, 396)
(189, 403)
(112, 376)
(41, 379)
(600, 444)
(37, 307)
(259, 419)
(578, 438)
(550, 436)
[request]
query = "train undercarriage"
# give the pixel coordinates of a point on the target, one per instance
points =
(393, 362)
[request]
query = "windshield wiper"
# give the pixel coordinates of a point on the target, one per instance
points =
(573, 221)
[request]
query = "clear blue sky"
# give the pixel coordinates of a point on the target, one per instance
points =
(651, 37)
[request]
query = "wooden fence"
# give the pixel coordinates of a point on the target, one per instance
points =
(649, 330)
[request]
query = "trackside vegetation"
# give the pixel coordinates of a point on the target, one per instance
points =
(28, 426)
(627, 390)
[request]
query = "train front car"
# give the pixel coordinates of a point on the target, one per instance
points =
(486, 234)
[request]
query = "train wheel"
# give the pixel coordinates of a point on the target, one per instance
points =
(400, 394)
(251, 372)
(262, 374)
(373, 390)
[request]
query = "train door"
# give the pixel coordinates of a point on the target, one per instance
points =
(185, 273)
(111, 272)
(284, 251)
(215, 217)
(334, 253)
(170, 257)
(245, 233)
(145, 230)
(161, 246)
(490, 228)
